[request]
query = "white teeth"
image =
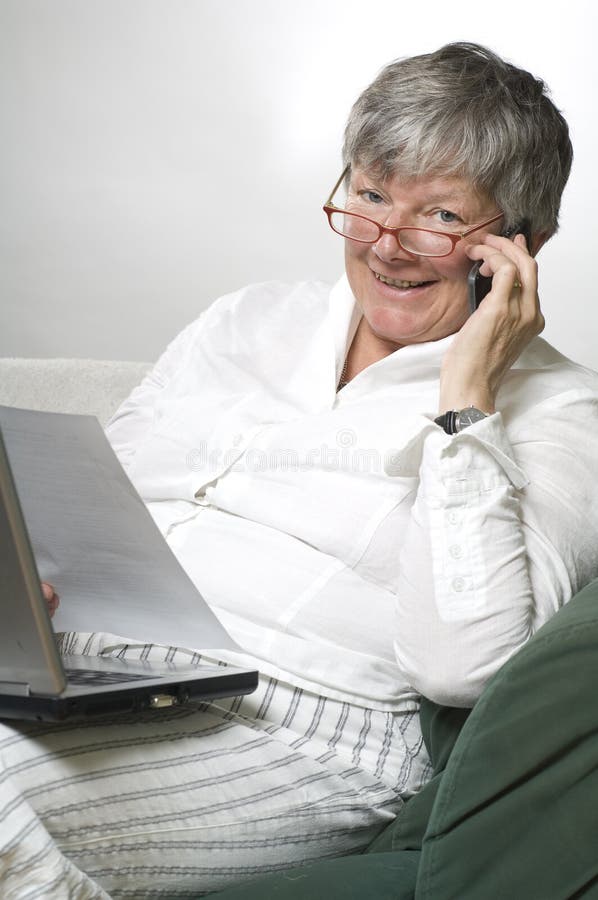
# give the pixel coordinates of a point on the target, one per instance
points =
(396, 282)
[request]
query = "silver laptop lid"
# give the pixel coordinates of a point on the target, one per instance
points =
(29, 659)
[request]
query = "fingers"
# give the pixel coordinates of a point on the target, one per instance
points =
(51, 597)
(513, 302)
(513, 271)
(496, 246)
(503, 325)
(519, 241)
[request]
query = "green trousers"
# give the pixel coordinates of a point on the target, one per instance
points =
(512, 810)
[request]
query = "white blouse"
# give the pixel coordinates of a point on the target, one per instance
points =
(347, 543)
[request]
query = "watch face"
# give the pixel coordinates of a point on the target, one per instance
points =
(469, 416)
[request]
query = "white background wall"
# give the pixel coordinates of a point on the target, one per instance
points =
(155, 154)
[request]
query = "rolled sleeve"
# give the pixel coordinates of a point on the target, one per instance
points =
(465, 596)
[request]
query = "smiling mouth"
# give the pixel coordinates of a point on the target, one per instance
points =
(398, 282)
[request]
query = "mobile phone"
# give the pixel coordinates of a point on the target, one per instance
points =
(479, 285)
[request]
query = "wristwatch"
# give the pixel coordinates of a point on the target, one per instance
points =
(456, 420)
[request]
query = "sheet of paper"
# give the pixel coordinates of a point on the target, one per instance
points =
(94, 539)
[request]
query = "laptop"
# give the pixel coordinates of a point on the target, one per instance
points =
(36, 682)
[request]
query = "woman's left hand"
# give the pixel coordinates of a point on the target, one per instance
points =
(491, 339)
(51, 597)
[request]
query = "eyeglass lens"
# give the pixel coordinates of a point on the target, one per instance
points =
(413, 240)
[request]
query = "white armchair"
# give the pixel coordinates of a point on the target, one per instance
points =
(90, 386)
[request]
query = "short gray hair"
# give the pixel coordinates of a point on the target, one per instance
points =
(463, 110)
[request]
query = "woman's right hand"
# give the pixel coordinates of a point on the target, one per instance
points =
(496, 334)
(51, 597)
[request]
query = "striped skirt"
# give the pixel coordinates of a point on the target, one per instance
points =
(189, 800)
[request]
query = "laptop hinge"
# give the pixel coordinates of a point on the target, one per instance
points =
(14, 688)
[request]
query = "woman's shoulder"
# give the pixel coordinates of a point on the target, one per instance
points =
(546, 386)
(270, 297)
(540, 354)
(257, 314)
(542, 367)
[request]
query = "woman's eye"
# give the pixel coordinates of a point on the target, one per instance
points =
(446, 217)
(371, 196)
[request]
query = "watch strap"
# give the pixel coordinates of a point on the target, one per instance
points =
(455, 420)
(448, 421)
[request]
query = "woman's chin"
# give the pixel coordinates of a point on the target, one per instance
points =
(397, 330)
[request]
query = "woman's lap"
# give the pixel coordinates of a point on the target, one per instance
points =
(147, 809)
(172, 804)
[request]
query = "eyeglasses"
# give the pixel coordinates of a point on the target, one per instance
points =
(418, 241)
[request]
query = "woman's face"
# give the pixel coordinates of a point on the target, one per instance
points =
(407, 299)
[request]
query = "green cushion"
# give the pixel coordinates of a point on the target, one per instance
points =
(440, 727)
(381, 876)
(516, 814)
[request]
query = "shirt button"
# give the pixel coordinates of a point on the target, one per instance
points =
(453, 517)
(458, 584)
(456, 551)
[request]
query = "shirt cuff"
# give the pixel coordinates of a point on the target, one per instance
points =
(488, 434)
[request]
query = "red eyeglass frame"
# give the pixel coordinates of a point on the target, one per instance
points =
(330, 208)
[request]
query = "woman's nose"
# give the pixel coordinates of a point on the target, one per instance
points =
(387, 248)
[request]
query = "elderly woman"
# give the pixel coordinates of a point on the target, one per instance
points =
(376, 491)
